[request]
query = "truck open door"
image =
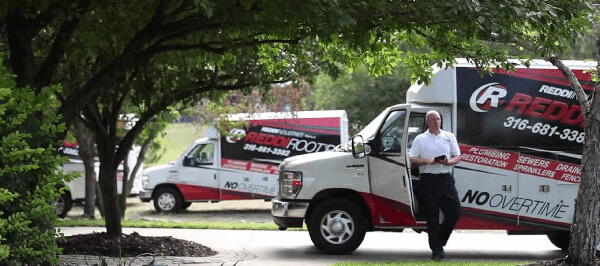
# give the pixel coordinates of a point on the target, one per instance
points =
(415, 126)
(389, 168)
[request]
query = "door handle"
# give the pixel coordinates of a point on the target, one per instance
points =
(355, 166)
(215, 175)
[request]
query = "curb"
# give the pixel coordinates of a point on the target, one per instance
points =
(227, 257)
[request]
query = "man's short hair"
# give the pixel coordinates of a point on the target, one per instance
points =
(430, 112)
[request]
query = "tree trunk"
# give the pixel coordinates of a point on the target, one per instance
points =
(138, 164)
(125, 186)
(99, 201)
(586, 222)
(21, 56)
(87, 152)
(586, 218)
(108, 184)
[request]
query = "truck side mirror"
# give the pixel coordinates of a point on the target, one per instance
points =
(358, 147)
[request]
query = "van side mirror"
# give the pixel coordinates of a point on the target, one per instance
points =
(187, 161)
(359, 149)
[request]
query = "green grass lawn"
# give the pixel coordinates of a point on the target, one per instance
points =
(172, 224)
(178, 137)
(429, 262)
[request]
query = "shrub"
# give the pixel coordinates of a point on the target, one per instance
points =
(29, 176)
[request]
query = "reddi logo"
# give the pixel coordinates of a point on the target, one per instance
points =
(235, 135)
(487, 96)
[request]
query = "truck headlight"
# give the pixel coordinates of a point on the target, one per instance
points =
(145, 180)
(290, 184)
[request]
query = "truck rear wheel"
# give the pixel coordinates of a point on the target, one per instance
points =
(167, 200)
(62, 204)
(186, 205)
(560, 239)
(337, 226)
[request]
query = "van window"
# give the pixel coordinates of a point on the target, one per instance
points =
(391, 132)
(202, 154)
(416, 126)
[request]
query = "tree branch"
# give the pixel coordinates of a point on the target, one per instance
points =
(573, 82)
(49, 66)
(221, 50)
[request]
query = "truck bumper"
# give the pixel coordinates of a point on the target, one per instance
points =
(145, 195)
(288, 214)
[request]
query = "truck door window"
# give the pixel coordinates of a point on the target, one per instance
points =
(416, 126)
(391, 132)
(202, 154)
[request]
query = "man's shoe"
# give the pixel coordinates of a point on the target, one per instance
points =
(438, 256)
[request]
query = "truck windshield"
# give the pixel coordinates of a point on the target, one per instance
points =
(369, 131)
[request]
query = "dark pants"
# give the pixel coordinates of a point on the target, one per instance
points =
(439, 193)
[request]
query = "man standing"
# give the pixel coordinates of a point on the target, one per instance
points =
(435, 151)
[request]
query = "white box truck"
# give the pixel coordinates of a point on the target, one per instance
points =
(243, 164)
(520, 135)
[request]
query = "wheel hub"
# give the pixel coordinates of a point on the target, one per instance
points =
(337, 227)
(166, 201)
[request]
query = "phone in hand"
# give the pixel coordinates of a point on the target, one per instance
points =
(440, 158)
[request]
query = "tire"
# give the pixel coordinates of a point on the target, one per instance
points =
(167, 200)
(62, 204)
(560, 239)
(186, 205)
(337, 227)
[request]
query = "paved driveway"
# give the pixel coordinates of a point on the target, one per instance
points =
(245, 247)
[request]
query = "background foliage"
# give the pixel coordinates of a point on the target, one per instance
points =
(362, 95)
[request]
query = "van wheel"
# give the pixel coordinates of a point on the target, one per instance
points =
(167, 200)
(337, 226)
(560, 239)
(62, 204)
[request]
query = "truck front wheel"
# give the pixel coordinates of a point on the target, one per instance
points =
(337, 226)
(167, 200)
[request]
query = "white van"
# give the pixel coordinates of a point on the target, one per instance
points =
(76, 187)
(243, 164)
(520, 135)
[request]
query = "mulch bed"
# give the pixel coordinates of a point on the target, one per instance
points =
(101, 244)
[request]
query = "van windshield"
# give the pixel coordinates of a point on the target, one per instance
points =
(371, 129)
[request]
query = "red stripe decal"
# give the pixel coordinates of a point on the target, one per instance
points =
(510, 216)
(524, 164)
(190, 192)
(386, 212)
(330, 126)
(551, 76)
(262, 168)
